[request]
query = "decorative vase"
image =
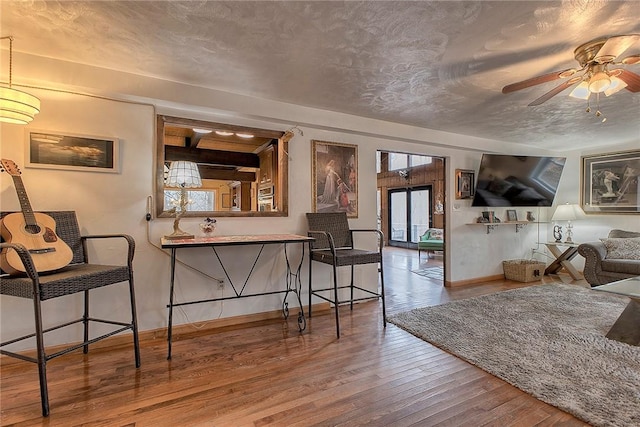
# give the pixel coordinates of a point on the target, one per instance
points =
(208, 226)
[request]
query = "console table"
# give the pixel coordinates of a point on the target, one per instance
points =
(563, 259)
(293, 283)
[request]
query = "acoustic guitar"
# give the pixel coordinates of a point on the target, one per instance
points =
(36, 231)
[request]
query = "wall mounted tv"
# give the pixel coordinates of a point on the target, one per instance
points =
(517, 180)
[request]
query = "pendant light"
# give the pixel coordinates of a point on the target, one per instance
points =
(16, 106)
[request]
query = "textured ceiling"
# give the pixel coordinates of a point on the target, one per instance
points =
(437, 65)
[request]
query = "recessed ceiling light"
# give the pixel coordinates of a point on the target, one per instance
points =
(244, 135)
(224, 133)
(199, 130)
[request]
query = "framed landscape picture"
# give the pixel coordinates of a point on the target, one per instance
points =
(609, 183)
(57, 150)
(335, 177)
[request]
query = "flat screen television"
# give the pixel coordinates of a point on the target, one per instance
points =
(505, 180)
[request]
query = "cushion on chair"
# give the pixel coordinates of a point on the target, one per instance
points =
(347, 257)
(71, 279)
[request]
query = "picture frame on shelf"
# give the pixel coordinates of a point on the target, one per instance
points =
(68, 151)
(334, 177)
(489, 216)
(465, 180)
(609, 183)
(512, 215)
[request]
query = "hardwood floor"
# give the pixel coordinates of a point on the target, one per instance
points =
(266, 373)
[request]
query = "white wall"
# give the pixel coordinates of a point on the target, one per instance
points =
(108, 203)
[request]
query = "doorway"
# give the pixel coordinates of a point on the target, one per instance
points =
(410, 199)
(409, 215)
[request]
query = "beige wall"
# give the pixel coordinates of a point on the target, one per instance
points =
(117, 202)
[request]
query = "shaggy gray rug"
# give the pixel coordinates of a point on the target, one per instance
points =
(547, 340)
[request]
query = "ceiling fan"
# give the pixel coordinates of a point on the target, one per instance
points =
(599, 72)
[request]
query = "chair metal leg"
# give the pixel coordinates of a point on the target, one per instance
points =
(351, 302)
(310, 262)
(134, 320)
(42, 358)
(384, 309)
(85, 322)
(336, 302)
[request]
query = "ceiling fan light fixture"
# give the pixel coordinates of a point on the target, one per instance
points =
(616, 86)
(599, 82)
(581, 91)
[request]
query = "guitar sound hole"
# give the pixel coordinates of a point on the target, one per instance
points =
(33, 229)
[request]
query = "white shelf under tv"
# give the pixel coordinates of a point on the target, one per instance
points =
(518, 224)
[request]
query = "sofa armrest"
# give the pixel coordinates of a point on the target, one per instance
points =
(593, 253)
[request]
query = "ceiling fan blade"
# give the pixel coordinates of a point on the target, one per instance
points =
(630, 60)
(539, 80)
(556, 90)
(631, 79)
(615, 46)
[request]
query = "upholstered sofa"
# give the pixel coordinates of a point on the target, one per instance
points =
(432, 240)
(615, 258)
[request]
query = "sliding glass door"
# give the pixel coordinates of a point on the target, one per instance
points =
(409, 215)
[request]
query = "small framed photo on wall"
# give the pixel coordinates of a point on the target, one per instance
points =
(512, 215)
(465, 180)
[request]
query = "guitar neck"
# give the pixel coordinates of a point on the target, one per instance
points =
(25, 205)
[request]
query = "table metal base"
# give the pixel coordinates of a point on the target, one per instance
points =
(293, 283)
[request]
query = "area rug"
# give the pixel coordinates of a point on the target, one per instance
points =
(431, 272)
(547, 340)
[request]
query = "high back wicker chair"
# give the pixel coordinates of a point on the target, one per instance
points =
(78, 276)
(333, 245)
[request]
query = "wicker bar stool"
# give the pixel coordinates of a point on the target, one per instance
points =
(333, 245)
(78, 276)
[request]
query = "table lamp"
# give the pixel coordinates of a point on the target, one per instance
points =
(182, 175)
(567, 213)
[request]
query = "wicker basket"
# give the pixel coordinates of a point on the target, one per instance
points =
(523, 270)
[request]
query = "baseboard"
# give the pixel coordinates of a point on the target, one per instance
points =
(474, 281)
(161, 333)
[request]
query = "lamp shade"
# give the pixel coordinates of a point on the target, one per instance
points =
(567, 212)
(17, 106)
(183, 174)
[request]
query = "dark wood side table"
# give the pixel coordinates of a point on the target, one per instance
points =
(563, 259)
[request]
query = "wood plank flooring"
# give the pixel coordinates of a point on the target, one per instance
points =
(266, 373)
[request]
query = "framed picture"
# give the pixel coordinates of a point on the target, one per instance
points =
(609, 183)
(56, 150)
(488, 216)
(465, 180)
(512, 215)
(334, 177)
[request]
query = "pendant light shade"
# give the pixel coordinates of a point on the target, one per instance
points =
(16, 106)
